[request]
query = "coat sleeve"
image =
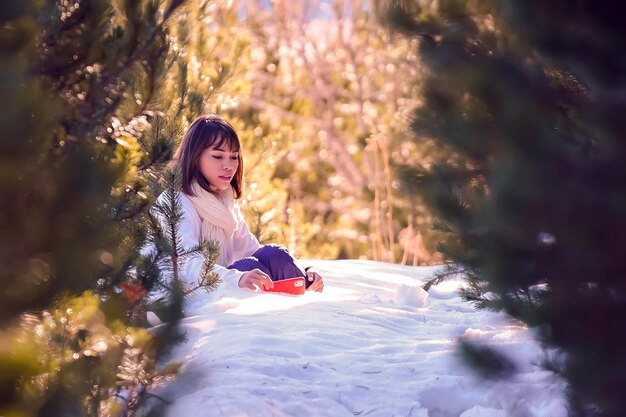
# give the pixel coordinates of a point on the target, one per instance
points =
(190, 228)
(244, 242)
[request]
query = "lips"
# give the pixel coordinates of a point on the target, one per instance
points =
(225, 178)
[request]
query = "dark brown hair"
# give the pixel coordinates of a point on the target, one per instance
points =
(206, 131)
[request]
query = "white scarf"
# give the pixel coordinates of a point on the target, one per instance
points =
(218, 220)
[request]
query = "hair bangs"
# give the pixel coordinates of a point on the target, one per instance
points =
(225, 138)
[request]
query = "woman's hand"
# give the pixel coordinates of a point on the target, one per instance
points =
(317, 283)
(255, 279)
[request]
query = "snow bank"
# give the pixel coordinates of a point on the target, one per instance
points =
(373, 344)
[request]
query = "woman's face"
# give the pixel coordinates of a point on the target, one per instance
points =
(218, 166)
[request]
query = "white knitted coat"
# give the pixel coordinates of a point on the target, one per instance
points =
(240, 244)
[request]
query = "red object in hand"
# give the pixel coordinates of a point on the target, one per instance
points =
(295, 286)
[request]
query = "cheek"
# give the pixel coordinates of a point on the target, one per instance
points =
(205, 166)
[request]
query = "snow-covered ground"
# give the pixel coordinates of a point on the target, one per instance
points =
(372, 344)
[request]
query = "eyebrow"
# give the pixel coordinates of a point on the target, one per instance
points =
(224, 150)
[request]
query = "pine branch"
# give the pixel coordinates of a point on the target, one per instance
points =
(449, 271)
(208, 280)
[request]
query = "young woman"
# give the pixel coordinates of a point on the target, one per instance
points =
(212, 169)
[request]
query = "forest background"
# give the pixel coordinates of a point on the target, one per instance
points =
(320, 94)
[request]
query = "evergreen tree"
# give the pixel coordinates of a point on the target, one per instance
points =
(79, 141)
(526, 99)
